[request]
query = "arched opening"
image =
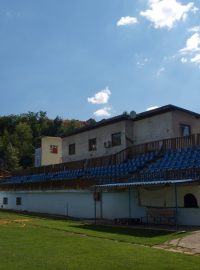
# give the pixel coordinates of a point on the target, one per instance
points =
(190, 201)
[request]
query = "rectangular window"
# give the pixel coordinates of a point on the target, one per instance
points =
(18, 201)
(53, 149)
(5, 200)
(72, 149)
(92, 144)
(116, 139)
(185, 130)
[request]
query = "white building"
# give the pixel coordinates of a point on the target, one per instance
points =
(115, 134)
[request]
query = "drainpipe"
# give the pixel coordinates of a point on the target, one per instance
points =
(176, 204)
(129, 201)
(95, 208)
(101, 204)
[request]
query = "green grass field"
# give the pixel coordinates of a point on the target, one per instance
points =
(47, 243)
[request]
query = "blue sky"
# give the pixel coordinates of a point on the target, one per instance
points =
(81, 59)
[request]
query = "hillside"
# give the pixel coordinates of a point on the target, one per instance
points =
(20, 134)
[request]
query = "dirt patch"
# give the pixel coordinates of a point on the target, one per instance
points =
(7, 221)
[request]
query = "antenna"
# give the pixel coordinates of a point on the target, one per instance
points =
(132, 114)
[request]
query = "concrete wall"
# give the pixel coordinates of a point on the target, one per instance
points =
(163, 126)
(114, 204)
(102, 135)
(153, 128)
(165, 197)
(129, 133)
(69, 203)
(48, 156)
(186, 119)
(78, 204)
(188, 216)
(157, 127)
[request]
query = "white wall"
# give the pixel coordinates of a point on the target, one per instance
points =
(136, 131)
(102, 135)
(75, 203)
(81, 204)
(189, 216)
(69, 203)
(47, 157)
(186, 119)
(163, 126)
(116, 205)
(165, 197)
(153, 128)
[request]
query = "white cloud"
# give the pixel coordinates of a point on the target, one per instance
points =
(152, 108)
(101, 97)
(192, 44)
(184, 60)
(195, 29)
(165, 13)
(196, 59)
(143, 62)
(160, 71)
(169, 58)
(191, 51)
(103, 112)
(127, 21)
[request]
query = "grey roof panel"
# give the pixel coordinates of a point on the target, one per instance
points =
(148, 183)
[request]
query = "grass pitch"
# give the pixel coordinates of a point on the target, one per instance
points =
(30, 242)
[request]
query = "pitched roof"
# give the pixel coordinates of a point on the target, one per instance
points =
(139, 116)
(164, 109)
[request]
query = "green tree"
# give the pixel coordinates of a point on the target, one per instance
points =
(23, 140)
(20, 134)
(11, 160)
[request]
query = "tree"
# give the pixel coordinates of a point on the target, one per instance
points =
(23, 140)
(11, 161)
(20, 134)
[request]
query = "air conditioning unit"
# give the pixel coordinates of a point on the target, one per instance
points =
(107, 144)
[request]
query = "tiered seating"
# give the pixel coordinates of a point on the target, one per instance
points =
(187, 158)
(60, 175)
(129, 167)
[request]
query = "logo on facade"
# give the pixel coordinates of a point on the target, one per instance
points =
(54, 149)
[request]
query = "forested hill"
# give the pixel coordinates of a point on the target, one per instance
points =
(20, 134)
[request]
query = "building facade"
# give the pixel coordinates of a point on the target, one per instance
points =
(113, 135)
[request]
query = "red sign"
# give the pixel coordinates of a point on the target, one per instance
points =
(54, 149)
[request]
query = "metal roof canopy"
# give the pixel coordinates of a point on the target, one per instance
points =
(173, 183)
(147, 183)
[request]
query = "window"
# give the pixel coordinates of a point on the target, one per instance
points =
(72, 149)
(185, 130)
(190, 201)
(53, 149)
(116, 139)
(92, 144)
(18, 201)
(5, 200)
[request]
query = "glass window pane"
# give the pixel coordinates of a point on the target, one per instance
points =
(92, 144)
(116, 139)
(72, 149)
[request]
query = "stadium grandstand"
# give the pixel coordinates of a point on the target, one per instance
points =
(133, 168)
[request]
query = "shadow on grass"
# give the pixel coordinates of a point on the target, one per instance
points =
(146, 236)
(44, 216)
(136, 232)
